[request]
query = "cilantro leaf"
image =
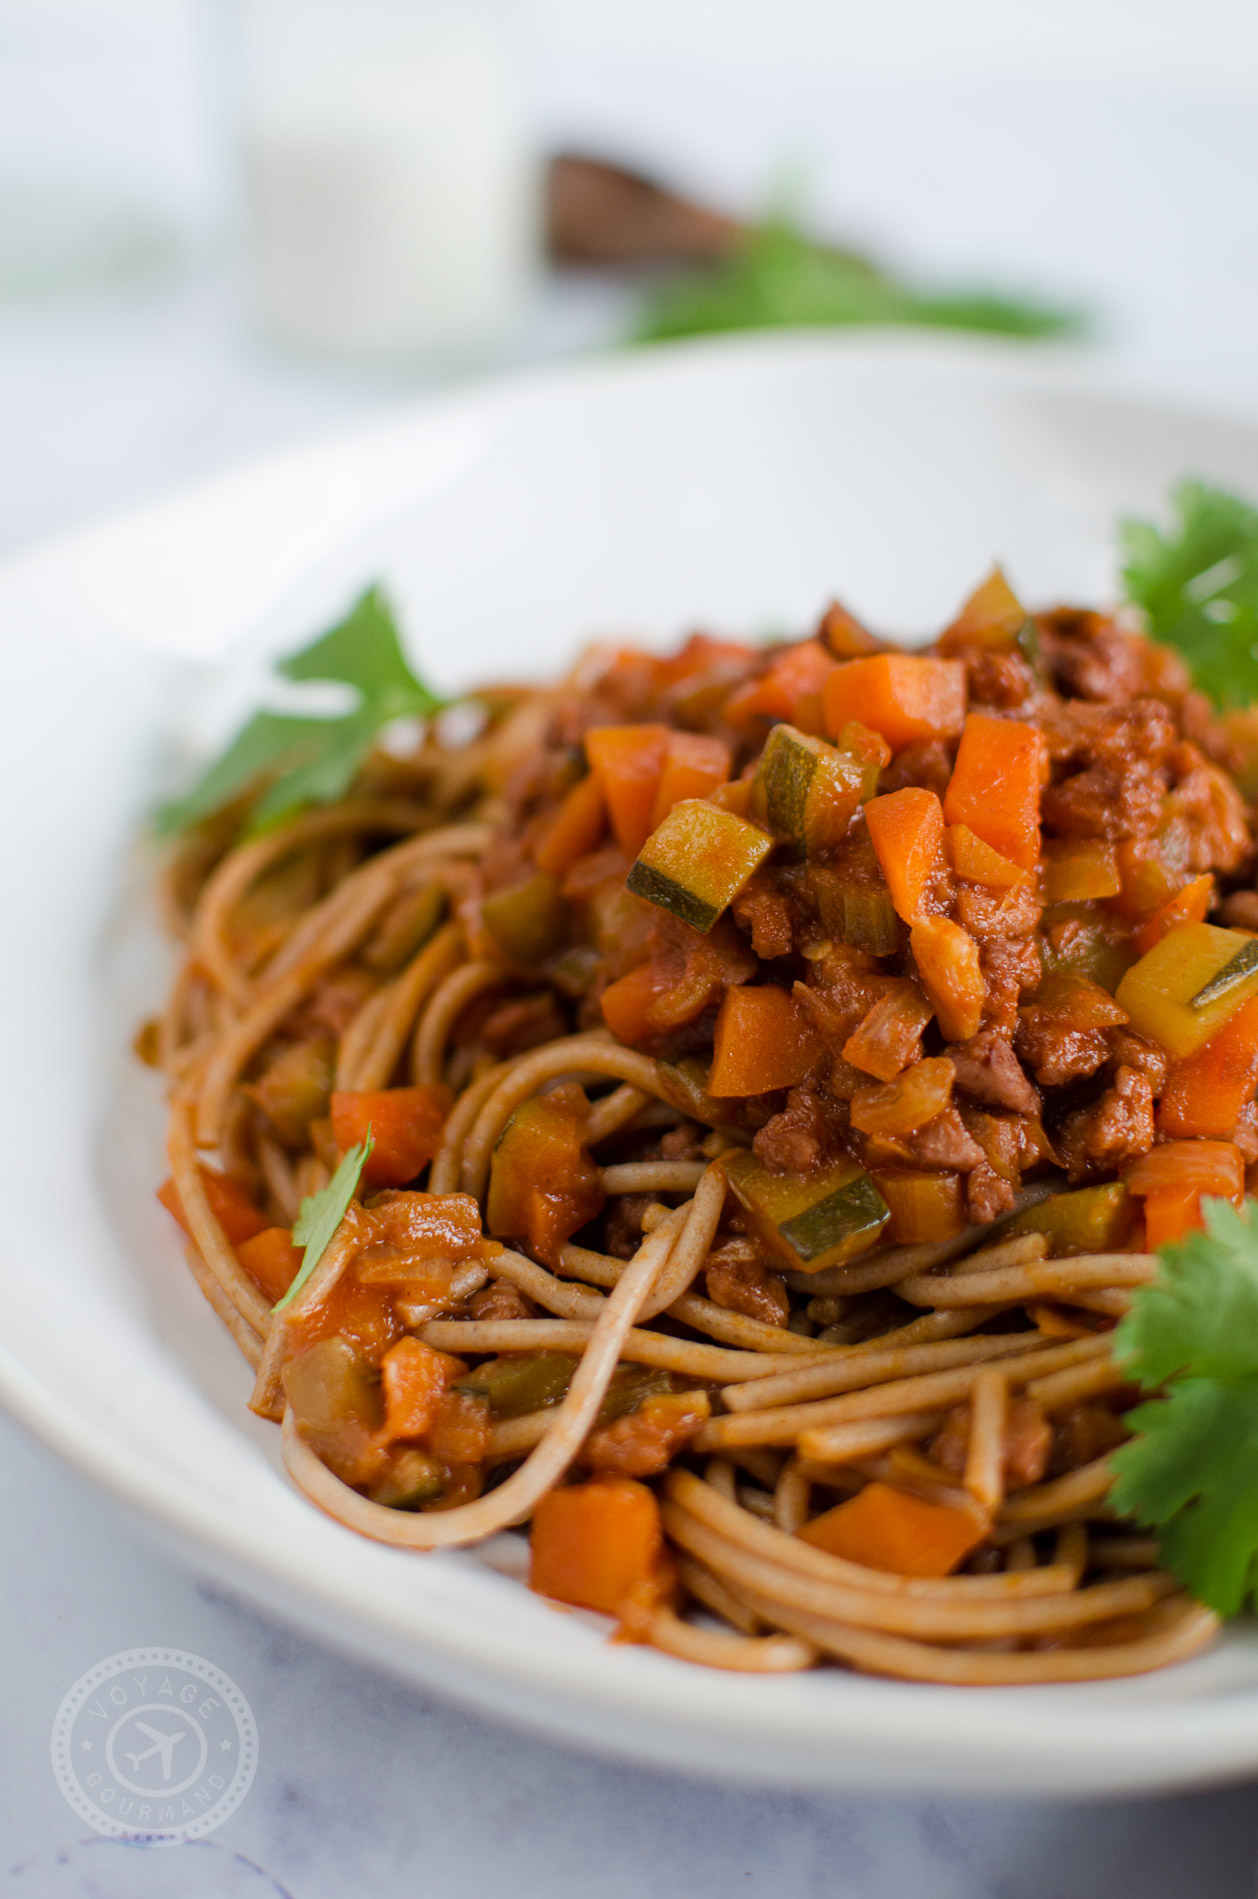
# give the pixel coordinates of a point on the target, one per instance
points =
(321, 1214)
(779, 278)
(1198, 587)
(314, 760)
(1191, 1471)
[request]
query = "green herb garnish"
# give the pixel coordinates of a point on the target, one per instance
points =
(303, 761)
(1198, 587)
(321, 1213)
(1191, 1472)
(779, 278)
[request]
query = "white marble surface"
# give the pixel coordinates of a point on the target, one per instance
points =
(1118, 184)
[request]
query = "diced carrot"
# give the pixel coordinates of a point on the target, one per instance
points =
(906, 697)
(693, 768)
(416, 1379)
(406, 1125)
(979, 863)
(1169, 1214)
(844, 635)
(907, 831)
(271, 1260)
(574, 830)
(365, 1315)
(884, 1527)
(626, 1003)
(594, 1544)
(992, 617)
(924, 1206)
(229, 1203)
(1205, 1093)
(995, 785)
(1216, 1167)
(627, 761)
(791, 688)
(1188, 905)
(763, 1041)
(948, 963)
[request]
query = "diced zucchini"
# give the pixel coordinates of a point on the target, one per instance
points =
(698, 860)
(527, 919)
(1189, 986)
(1077, 936)
(807, 790)
(521, 1382)
(630, 1385)
(1091, 1220)
(813, 1222)
(684, 1085)
(412, 1479)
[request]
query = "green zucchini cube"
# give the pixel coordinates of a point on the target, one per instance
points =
(698, 860)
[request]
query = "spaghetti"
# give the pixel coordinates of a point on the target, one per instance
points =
(780, 1070)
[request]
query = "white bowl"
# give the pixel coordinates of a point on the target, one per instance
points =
(734, 486)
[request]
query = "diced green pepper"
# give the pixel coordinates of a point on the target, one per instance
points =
(807, 790)
(1188, 986)
(698, 860)
(526, 920)
(520, 1382)
(1091, 1220)
(811, 1222)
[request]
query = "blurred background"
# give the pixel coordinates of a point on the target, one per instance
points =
(225, 224)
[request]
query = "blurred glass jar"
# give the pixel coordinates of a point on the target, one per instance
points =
(393, 201)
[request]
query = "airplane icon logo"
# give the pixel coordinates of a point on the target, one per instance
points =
(163, 1744)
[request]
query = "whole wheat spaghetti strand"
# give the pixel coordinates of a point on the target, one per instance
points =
(430, 967)
(978, 1619)
(1037, 1280)
(242, 1041)
(513, 1500)
(902, 1262)
(1058, 1391)
(242, 866)
(242, 1332)
(444, 1174)
(446, 1003)
(615, 1111)
(985, 1454)
(573, 1055)
(360, 1034)
(713, 1594)
(694, 1241)
(852, 1368)
(278, 1175)
(391, 868)
(660, 1349)
(1044, 1505)
(1071, 1550)
(706, 1504)
(651, 1177)
(785, 1423)
(1179, 1636)
(791, 1496)
(714, 1648)
(207, 1235)
(556, 1295)
(850, 1443)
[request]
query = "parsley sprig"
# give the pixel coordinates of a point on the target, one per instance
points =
(778, 278)
(1197, 585)
(295, 761)
(1191, 1472)
(321, 1213)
